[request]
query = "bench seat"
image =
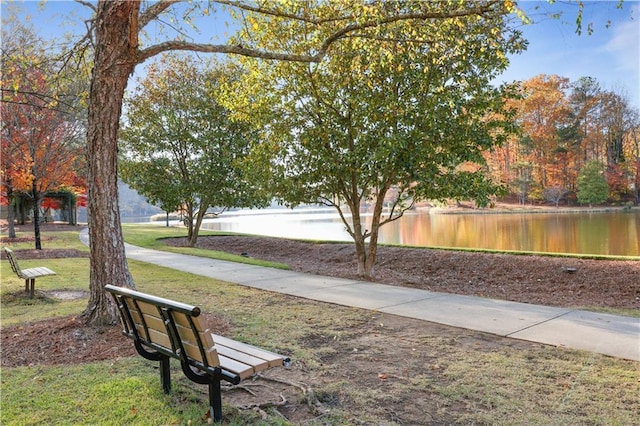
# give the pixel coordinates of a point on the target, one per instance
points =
(36, 272)
(243, 359)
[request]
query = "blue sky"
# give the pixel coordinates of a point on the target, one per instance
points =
(611, 55)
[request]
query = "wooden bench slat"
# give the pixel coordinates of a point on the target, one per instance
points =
(273, 359)
(37, 272)
(159, 338)
(146, 308)
(155, 323)
(188, 338)
(213, 358)
(258, 364)
(187, 335)
(181, 319)
(236, 367)
(204, 332)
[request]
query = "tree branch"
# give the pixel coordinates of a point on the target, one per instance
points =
(321, 52)
(154, 10)
(87, 4)
(222, 48)
(46, 99)
(279, 13)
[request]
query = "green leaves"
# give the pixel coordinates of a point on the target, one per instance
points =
(592, 184)
(400, 112)
(182, 150)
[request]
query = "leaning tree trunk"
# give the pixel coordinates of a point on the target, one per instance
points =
(115, 50)
(372, 249)
(195, 230)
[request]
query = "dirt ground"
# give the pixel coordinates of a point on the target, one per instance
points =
(530, 279)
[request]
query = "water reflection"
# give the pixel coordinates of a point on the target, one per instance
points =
(614, 233)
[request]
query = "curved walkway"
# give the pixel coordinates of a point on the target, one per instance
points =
(613, 335)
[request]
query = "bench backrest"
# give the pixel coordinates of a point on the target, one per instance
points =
(13, 261)
(169, 327)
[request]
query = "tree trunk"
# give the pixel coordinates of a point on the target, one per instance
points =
(20, 210)
(189, 220)
(372, 251)
(188, 223)
(115, 59)
(358, 238)
(195, 227)
(363, 251)
(361, 255)
(36, 215)
(366, 255)
(10, 213)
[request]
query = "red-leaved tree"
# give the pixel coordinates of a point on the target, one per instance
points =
(40, 152)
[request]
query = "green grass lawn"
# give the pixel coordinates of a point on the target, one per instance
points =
(54, 239)
(447, 379)
(150, 236)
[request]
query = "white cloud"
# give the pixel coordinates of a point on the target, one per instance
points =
(624, 45)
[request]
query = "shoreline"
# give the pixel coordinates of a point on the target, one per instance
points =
(530, 210)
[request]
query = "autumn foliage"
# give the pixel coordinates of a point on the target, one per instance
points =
(564, 126)
(40, 152)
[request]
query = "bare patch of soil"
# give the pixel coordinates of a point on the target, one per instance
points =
(64, 340)
(68, 340)
(46, 253)
(67, 294)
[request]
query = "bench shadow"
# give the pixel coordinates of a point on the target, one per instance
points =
(41, 297)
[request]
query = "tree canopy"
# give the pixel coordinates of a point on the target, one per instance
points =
(41, 148)
(564, 125)
(181, 149)
(592, 185)
(401, 115)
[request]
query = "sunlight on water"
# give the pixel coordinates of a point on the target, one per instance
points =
(614, 233)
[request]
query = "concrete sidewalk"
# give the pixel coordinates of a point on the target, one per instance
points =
(612, 335)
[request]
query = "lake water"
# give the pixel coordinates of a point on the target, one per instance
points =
(608, 233)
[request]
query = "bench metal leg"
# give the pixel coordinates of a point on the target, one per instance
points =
(215, 401)
(165, 374)
(29, 286)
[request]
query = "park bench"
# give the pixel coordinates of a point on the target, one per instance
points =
(162, 329)
(28, 275)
